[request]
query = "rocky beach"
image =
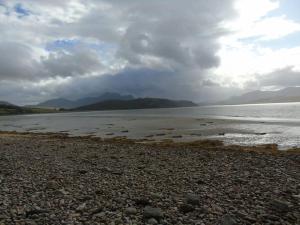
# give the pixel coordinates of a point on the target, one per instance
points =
(56, 179)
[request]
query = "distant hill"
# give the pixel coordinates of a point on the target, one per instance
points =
(68, 104)
(5, 103)
(140, 103)
(290, 94)
(7, 108)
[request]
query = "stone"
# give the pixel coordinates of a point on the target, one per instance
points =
(150, 212)
(186, 208)
(152, 221)
(81, 207)
(142, 201)
(192, 199)
(131, 211)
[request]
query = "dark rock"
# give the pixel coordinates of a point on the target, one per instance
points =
(142, 201)
(192, 199)
(186, 208)
(280, 206)
(150, 212)
(35, 212)
(82, 171)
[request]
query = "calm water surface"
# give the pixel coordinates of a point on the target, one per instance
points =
(239, 124)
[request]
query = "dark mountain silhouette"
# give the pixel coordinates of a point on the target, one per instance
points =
(68, 104)
(140, 103)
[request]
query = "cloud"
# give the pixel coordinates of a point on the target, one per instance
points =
(285, 77)
(74, 62)
(200, 50)
(17, 62)
(146, 48)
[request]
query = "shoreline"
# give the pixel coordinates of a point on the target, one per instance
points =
(212, 144)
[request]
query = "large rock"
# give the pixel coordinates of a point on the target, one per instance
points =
(155, 213)
(131, 211)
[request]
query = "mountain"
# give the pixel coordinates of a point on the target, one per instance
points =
(5, 103)
(7, 108)
(68, 104)
(140, 103)
(290, 94)
(57, 103)
(101, 98)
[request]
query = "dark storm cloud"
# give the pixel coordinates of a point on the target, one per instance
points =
(161, 48)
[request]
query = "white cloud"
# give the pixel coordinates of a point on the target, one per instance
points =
(243, 54)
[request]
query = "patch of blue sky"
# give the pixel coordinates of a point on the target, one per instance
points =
(62, 44)
(103, 47)
(106, 51)
(21, 11)
(290, 8)
(289, 41)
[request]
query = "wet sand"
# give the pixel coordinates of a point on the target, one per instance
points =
(56, 179)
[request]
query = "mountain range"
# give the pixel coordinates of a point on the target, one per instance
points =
(290, 94)
(139, 103)
(69, 104)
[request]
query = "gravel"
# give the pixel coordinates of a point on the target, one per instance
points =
(60, 180)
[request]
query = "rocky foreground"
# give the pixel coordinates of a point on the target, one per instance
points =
(56, 180)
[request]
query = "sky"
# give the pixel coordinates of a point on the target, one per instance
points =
(193, 49)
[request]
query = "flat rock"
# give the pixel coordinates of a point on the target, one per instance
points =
(150, 212)
(131, 211)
